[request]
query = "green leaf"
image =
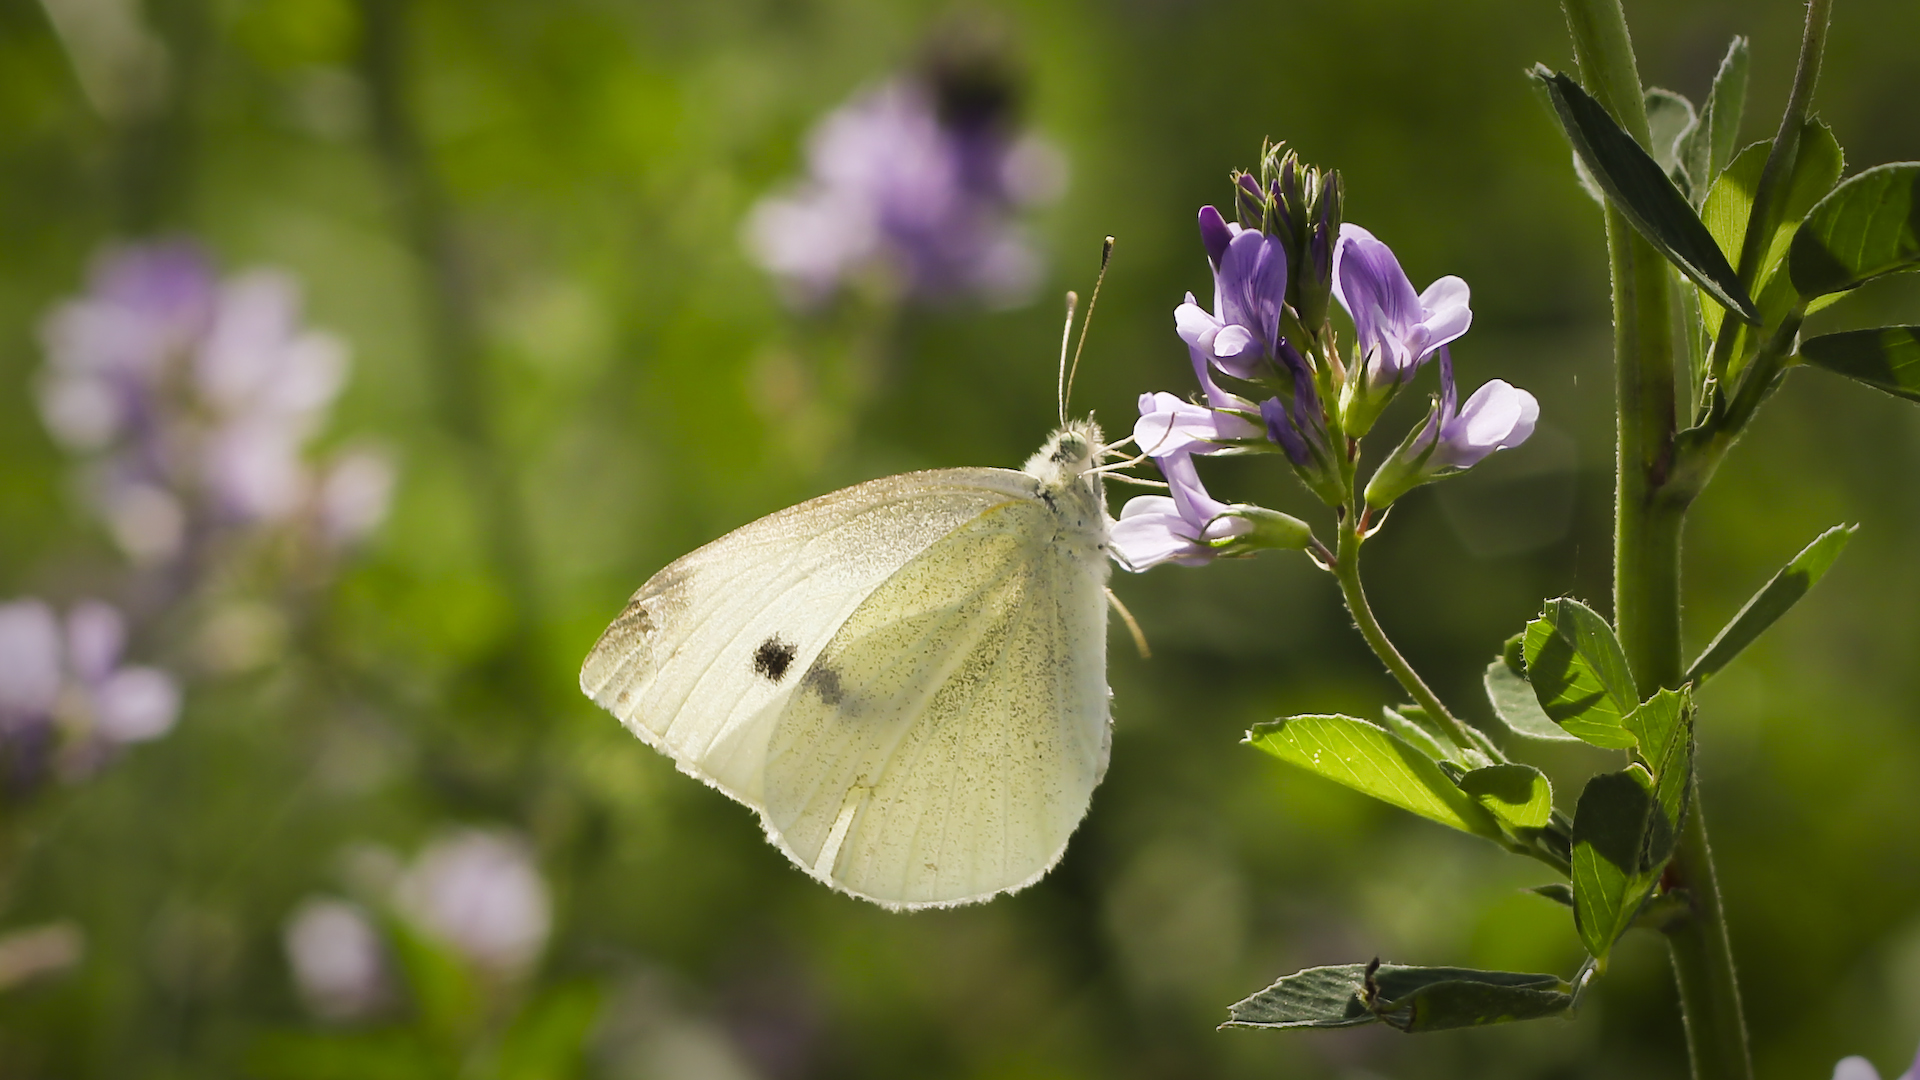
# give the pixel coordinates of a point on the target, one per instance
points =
(1609, 838)
(1886, 358)
(1772, 601)
(1402, 722)
(1579, 673)
(1642, 191)
(1664, 727)
(1867, 227)
(1670, 119)
(1375, 762)
(445, 997)
(1816, 168)
(1516, 794)
(1413, 999)
(1709, 147)
(1556, 892)
(1516, 707)
(547, 1041)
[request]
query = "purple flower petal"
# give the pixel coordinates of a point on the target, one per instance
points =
(95, 635)
(1215, 234)
(135, 704)
(29, 663)
(1498, 416)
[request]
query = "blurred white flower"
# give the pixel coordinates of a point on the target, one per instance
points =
(1859, 1068)
(480, 893)
(355, 495)
(337, 962)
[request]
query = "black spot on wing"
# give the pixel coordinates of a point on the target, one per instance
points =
(772, 658)
(826, 682)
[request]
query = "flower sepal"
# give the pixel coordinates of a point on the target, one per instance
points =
(1271, 531)
(1410, 464)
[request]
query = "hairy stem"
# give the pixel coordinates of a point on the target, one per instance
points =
(1346, 568)
(1648, 521)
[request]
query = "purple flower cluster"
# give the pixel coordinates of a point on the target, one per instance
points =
(195, 400)
(918, 195)
(66, 700)
(1270, 379)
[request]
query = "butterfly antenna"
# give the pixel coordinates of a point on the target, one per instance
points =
(1066, 335)
(1066, 388)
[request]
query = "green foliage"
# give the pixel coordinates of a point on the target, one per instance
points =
(1886, 358)
(1626, 823)
(1413, 999)
(1375, 762)
(1643, 192)
(1866, 228)
(1579, 673)
(1816, 168)
(1773, 600)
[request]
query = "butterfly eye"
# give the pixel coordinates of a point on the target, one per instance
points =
(1072, 447)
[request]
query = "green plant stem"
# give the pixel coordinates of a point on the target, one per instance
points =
(1346, 568)
(1648, 520)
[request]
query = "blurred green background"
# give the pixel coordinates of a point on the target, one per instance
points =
(580, 376)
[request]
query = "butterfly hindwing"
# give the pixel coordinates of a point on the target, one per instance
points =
(945, 743)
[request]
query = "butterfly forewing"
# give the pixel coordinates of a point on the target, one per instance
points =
(710, 648)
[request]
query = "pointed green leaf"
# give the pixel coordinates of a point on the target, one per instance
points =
(1886, 358)
(1609, 839)
(1816, 168)
(1375, 762)
(1643, 193)
(1579, 673)
(1413, 999)
(1556, 892)
(1772, 601)
(1867, 227)
(1710, 146)
(1519, 795)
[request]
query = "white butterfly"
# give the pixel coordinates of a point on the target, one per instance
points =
(906, 679)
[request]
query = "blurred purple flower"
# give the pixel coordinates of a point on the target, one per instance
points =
(1498, 416)
(896, 187)
(337, 961)
(1177, 527)
(197, 396)
(66, 681)
(1859, 1068)
(480, 893)
(1396, 330)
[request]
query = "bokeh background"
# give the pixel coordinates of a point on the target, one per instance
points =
(524, 221)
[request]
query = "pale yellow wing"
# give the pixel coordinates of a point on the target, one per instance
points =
(945, 743)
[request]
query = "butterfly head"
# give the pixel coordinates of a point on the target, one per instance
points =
(1067, 456)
